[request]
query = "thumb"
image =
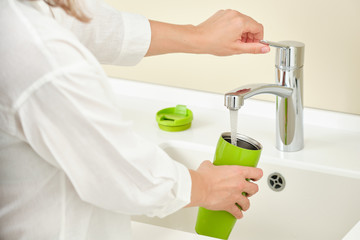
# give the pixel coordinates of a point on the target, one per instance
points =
(254, 48)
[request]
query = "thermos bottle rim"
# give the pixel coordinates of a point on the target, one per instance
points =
(244, 138)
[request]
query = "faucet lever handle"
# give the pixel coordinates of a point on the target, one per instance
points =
(275, 44)
(289, 54)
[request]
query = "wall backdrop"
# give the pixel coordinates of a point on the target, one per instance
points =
(329, 29)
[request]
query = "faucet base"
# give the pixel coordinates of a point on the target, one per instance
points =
(289, 112)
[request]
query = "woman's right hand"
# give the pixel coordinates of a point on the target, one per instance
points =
(230, 32)
(227, 32)
(221, 187)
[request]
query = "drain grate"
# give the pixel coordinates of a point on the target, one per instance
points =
(276, 182)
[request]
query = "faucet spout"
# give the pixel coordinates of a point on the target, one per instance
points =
(234, 99)
(288, 88)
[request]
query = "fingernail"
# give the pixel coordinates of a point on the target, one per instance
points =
(265, 49)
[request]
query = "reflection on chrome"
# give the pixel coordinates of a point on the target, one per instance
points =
(288, 88)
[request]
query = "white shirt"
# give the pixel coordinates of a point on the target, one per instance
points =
(70, 166)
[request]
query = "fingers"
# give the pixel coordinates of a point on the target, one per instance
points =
(247, 189)
(251, 47)
(243, 204)
(251, 172)
(235, 211)
(254, 30)
(226, 187)
(230, 32)
(248, 38)
(250, 189)
(251, 34)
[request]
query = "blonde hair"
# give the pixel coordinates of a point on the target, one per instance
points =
(71, 7)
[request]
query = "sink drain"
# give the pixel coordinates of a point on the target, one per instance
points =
(276, 182)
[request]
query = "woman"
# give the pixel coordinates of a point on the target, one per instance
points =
(71, 166)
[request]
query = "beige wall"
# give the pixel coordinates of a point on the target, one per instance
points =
(329, 29)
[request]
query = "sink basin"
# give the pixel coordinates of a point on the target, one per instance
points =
(300, 202)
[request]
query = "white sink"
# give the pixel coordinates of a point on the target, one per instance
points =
(316, 202)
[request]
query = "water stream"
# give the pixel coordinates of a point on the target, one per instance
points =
(233, 126)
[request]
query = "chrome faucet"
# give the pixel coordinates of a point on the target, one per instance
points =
(288, 88)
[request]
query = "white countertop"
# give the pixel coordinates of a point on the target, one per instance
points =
(332, 140)
(148, 231)
(354, 233)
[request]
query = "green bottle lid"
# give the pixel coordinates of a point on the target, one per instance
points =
(174, 119)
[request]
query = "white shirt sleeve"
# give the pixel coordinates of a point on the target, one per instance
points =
(114, 37)
(70, 122)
